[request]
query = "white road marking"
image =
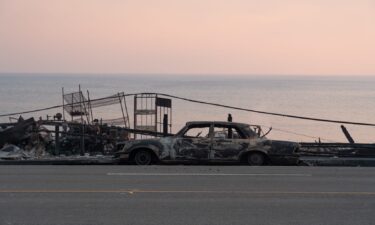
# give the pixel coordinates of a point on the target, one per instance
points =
(136, 191)
(212, 174)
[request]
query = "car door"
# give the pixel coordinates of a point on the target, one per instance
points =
(195, 143)
(227, 143)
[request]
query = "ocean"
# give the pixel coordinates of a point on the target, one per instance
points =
(333, 97)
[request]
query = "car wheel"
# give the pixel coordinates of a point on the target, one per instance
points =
(143, 157)
(255, 159)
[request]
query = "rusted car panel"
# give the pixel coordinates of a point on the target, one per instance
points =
(223, 141)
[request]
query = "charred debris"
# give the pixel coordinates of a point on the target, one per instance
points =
(80, 132)
(76, 132)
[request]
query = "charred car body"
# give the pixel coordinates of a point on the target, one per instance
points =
(212, 141)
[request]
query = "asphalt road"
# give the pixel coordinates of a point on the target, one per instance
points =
(186, 195)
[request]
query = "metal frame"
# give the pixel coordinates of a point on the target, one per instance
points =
(149, 111)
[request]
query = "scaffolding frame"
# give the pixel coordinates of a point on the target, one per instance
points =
(75, 104)
(118, 98)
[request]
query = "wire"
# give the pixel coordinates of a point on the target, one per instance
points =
(272, 113)
(31, 111)
(303, 135)
(212, 104)
(295, 133)
(59, 106)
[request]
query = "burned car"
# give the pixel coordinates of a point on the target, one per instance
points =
(212, 141)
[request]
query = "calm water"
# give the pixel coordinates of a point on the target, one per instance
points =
(339, 98)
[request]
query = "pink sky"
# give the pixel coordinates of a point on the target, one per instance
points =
(333, 37)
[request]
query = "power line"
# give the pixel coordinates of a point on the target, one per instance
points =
(302, 135)
(60, 106)
(31, 111)
(273, 113)
(212, 104)
(296, 133)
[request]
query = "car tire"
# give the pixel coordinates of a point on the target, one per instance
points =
(143, 157)
(256, 159)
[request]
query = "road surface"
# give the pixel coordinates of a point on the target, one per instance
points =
(173, 194)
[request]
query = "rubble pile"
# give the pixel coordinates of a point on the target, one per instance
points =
(12, 152)
(23, 140)
(30, 139)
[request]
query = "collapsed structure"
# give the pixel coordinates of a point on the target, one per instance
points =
(79, 130)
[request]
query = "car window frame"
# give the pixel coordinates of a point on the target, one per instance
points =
(183, 131)
(238, 130)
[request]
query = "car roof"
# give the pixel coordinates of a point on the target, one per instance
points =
(216, 122)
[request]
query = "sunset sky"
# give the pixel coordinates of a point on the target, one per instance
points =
(323, 37)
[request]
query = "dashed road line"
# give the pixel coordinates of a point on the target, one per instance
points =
(213, 174)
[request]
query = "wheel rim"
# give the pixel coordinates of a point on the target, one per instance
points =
(256, 159)
(143, 158)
